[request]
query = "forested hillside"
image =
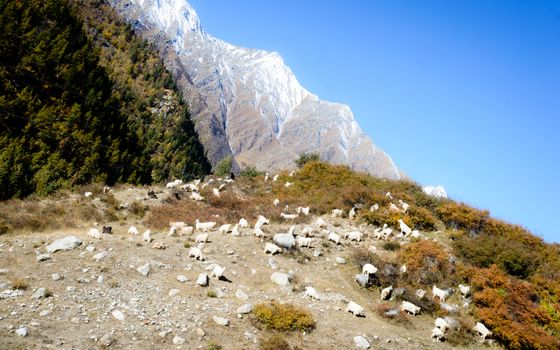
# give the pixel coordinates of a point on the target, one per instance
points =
(69, 116)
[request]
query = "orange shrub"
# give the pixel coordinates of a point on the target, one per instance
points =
(427, 263)
(461, 216)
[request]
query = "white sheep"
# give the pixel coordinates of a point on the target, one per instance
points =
(386, 293)
(284, 240)
(312, 293)
(94, 233)
(415, 234)
(292, 230)
(440, 293)
(333, 237)
(337, 213)
(369, 269)
(217, 272)
(465, 290)
(275, 178)
(482, 330)
(288, 216)
(271, 248)
(403, 268)
(410, 307)
(353, 236)
(243, 223)
(320, 223)
(306, 232)
(266, 177)
(288, 184)
(196, 197)
(377, 233)
(205, 226)
(235, 231)
(387, 232)
(186, 230)
(404, 205)
(352, 213)
(374, 207)
(224, 229)
(216, 192)
(222, 186)
(146, 237)
(172, 231)
(276, 202)
(304, 241)
(201, 238)
(174, 183)
(420, 293)
(258, 232)
(388, 195)
(88, 194)
(261, 220)
(438, 334)
(393, 207)
(441, 324)
(302, 210)
(132, 230)
(177, 224)
(196, 252)
(404, 228)
(355, 309)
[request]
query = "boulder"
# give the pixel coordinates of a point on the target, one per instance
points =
(280, 278)
(66, 243)
(361, 342)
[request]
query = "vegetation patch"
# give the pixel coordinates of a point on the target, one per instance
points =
(283, 317)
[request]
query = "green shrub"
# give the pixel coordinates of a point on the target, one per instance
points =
(283, 317)
(305, 158)
(420, 219)
(251, 172)
(223, 168)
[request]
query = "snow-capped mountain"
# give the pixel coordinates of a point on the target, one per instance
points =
(247, 102)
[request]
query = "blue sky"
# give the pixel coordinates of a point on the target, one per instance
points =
(460, 93)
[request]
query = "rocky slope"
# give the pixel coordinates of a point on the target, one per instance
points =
(247, 102)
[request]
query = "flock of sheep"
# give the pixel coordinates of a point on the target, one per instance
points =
(306, 238)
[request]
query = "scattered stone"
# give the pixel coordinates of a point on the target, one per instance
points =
(317, 253)
(280, 278)
(182, 278)
(241, 295)
(220, 293)
(173, 292)
(100, 256)
(144, 269)
(221, 320)
(272, 264)
(391, 313)
(4, 271)
(202, 279)
(340, 260)
(22, 331)
(9, 293)
(39, 293)
(118, 315)
(229, 252)
(71, 289)
(361, 342)
(100, 279)
(107, 340)
(56, 276)
(90, 248)
(200, 332)
(244, 309)
(66, 243)
(44, 313)
(43, 257)
(177, 340)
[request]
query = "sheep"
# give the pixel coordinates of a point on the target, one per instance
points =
(377, 233)
(292, 230)
(386, 293)
(132, 230)
(190, 187)
(355, 309)
(217, 272)
(333, 237)
(312, 293)
(440, 293)
(352, 213)
(196, 253)
(374, 207)
(186, 230)
(204, 226)
(404, 228)
(174, 183)
(284, 240)
(393, 207)
(415, 234)
(438, 334)
(243, 223)
(88, 194)
(320, 223)
(258, 232)
(410, 307)
(106, 189)
(387, 232)
(302, 210)
(235, 231)
(482, 330)
(177, 224)
(441, 324)
(465, 290)
(172, 231)
(276, 202)
(271, 248)
(306, 232)
(222, 186)
(261, 220)
(201, 238)
(146, 237)
(224, 229)
(337, 213)
(369, 269)
(353, 236)
(304, 241)
(216, 192)
(403, 269)
(420, 293)
(275, 178)
(288, 216)
(388, 195)
(94, 233)
(404, 205)
(196, 197)
(266, 177)
(288, 184)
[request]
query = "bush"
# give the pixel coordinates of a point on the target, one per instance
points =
(19, 283)
(427, 263)
(391, 245)
(212, 345)
(399, 317)
(223, 168)
(305, 158)
(211, 294)
(137, 209)
(283, 317)
(251, 172)
(420, 219)
(462, 217)
(274, 342)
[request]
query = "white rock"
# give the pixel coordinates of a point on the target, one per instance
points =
(241, 295)
(182, 278)
(66, 243)
(340, 260)
(100, 279)
(43, 257)
(39, 293)
(144, 269)
(118, 315)
(56, 276)
(177, 340)
(70, 289)
(280, 278)
(90, 248)
(44, 313)
(361, 342)
(436, 192)
(202, 279)
(22, 331)
(220, 320)
(244, 309)
(99, 256)
(174, 292)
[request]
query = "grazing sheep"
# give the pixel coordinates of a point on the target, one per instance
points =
(292, 230)
(271, 248)
(146, 237)
(235, 231)
(393, 207)
(288, 184)
(275, 178)
(312, 293)
(276, 202)
(386, 293)
(186, 230)
(306, 232)
(205, 226)
(337, 213)
(224, 229)
(369, 269)
(377, 233)
(438, 334)
(216, 192)
(172, 231)
(222, 186)
(352, 213)
(196, 197)
(404, 205)
(415, 234)
(355, 309)
(261, 220)
(284, 240)
(320, 223)
(353, 236)
(291, 174)
(304, 241)
(217, 272)
(196, 253)
(420, 293)
(106, 189)
(201, 238)
(440, 293)
(266, 177)
(403, 268)
(404, 228)
(374, 207)
(333, 237)
(465, 290)
(190, 187)
(243, 223)
(177, 224)
(258, 232)
(94, 233)
(132, 230)
(441, 324)
(410, 307)
(482, 330)
(388, 195)
(88, 194)
(302, 210)
(288, 216)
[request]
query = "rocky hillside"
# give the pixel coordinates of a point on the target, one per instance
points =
(122, 290)
(246, 102)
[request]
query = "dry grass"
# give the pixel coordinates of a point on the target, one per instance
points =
(274, 341)
(19, 283)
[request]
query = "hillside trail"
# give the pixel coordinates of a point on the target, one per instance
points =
(98, 281)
